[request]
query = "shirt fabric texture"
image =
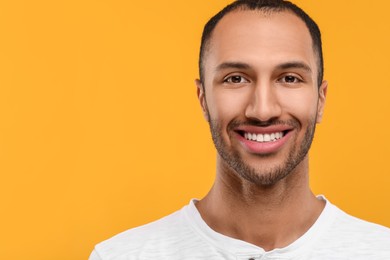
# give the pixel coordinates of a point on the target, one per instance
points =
(184, 235)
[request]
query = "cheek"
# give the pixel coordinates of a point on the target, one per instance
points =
(226, 104)
(299, 103)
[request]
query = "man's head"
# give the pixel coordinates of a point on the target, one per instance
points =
(266, 6)
(260, 90)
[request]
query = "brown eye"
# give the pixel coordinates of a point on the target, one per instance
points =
(236, 79)
(290, 79)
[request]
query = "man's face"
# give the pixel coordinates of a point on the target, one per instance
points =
(260, 93)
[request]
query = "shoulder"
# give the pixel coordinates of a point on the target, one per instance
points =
(143, 242)
(349, 233)
(361, 229)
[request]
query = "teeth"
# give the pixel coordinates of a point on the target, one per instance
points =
(263, 137)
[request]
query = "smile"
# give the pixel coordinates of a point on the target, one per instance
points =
(262, 138)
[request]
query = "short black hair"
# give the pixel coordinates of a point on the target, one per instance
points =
(268, 6)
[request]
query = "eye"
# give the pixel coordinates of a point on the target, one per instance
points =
(236, 79)
(290, 79)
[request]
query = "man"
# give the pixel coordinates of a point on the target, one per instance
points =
(261, 89)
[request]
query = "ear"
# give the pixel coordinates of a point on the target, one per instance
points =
(321, 100)
(202, 98)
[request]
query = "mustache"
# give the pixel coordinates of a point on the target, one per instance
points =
(259, 123)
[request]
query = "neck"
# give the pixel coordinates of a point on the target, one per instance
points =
(268, 216)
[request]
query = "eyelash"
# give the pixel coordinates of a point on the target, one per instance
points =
(229, 79)
(282, 79)
(295, 78)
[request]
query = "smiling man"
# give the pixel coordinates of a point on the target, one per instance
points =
(262, 92)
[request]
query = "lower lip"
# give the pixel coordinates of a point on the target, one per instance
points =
(264, 147)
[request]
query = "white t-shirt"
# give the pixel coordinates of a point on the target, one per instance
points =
(184, 235)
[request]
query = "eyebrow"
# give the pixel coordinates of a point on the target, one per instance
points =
(232, 65)
(294, 65)
(283, 66)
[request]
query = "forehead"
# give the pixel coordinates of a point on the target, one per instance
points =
(255, 36)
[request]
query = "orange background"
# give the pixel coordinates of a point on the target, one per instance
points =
(100, 128)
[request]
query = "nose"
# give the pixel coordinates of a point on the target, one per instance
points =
(263, 104)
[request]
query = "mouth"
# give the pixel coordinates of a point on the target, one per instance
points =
(263, 138)
(261, 141)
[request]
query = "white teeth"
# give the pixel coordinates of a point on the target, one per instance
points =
(263, 137)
